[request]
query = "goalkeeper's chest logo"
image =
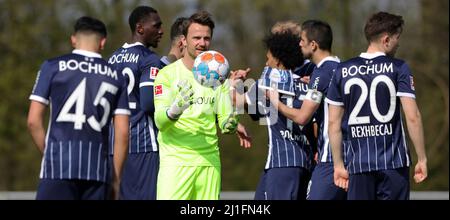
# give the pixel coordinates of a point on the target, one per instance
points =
(153, 72)
(158, 90)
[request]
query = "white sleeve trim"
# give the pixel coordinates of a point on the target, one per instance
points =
(331, 102)
(121, 111)
(146, 84)
(39, 99)
(405, 94)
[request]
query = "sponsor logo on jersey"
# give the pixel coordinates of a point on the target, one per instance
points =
(158, 90)
(153, 72)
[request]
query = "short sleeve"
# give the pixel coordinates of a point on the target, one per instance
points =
(122, 103)
(41, 88)
(149, 67)
(405, 82)
(334, 95)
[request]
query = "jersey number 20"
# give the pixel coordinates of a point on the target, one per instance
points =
(77, 98)
(354, 119)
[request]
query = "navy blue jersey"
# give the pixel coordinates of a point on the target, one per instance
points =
(83, 92)
(140, 66)
(300, 90)
(368, 87)
(288, 144)
(305, 69)
(320, 80)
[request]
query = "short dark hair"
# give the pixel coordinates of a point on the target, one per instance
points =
(285, 47)
(382, 22)
(201, 17)
(178, 27)
(139, 14)
(86, 24)
(320, 32)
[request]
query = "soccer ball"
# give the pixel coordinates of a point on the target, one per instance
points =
(210, 69)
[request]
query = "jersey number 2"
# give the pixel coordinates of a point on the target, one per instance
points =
(77, 98)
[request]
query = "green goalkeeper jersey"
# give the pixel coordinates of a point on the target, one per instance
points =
(192, 139)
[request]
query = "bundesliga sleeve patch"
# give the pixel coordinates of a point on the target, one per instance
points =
(158, 90)
(412, 83)
(153, 72)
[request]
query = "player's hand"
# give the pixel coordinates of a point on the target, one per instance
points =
(231, 124)
(238, 75)
(273, 95)
(420, 171)
(183, 99)
(115, 188)
(244, 137)
(341, 177)
(305, 79)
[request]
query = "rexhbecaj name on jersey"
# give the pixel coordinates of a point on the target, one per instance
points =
(376, 68)
(87, 67)
(124, 58)
(371, 130)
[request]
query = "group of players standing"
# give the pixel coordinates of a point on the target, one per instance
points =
(147, 135)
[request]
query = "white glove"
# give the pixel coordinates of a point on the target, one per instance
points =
(183, 99)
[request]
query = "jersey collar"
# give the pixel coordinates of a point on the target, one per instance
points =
(87, 53)
(328, 58)
(126, 45)
(371, 55)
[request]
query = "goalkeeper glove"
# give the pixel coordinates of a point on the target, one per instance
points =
(183, 99)
(231, 124)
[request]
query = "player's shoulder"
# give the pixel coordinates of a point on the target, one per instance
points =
(168, 72)
(54, 61)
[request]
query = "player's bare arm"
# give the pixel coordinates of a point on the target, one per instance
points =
(300, 116)
(335, 115)
(36, 124)
(121, 133)
(415, 130)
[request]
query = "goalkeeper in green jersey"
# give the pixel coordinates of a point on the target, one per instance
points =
(186, 114)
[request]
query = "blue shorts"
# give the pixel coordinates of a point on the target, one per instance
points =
(286, 183)
(51, 189)
(380, 185)
(139, 176)
(322, 185)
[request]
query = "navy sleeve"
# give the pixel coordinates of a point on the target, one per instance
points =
(41, 88)
(150, 68)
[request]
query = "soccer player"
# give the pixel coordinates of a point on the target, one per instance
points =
(140, 66)
(301, 76)
(84, 93)
(365, 97)
(315, 43)
(176, 41)
(287, 170)
(186, 114)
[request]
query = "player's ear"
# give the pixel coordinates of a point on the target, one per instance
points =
(385, 39)
(102, 43)
(184, 41)
(139, 28)
(73, 41)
